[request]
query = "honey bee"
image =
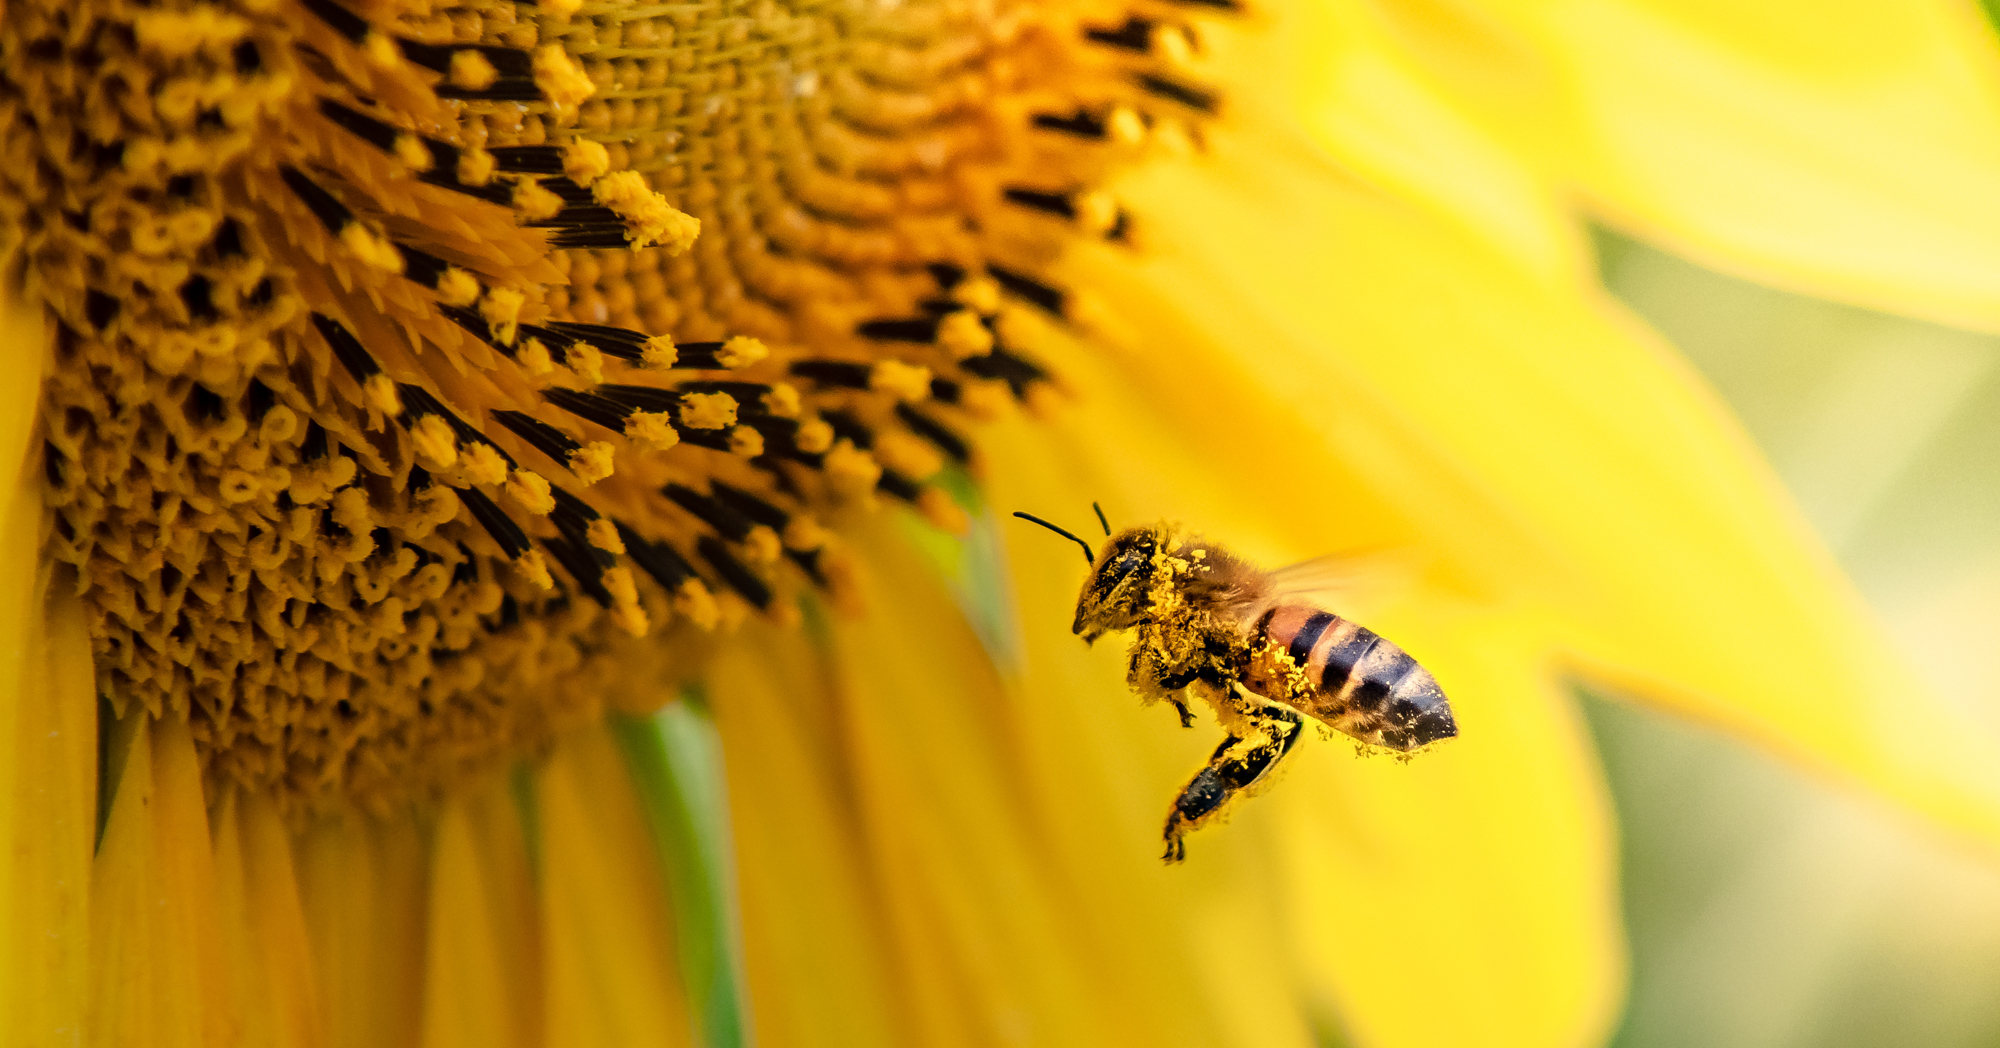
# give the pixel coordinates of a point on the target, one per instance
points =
(1258, 648)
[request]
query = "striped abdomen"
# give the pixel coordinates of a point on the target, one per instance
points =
(1353, 680)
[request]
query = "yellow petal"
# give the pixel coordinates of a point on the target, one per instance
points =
(1849, 150)
(362, 884)
(468, 996)
(609, 961)
(157, 962)
(269, 962)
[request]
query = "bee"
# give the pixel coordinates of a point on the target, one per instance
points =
(1257, 648)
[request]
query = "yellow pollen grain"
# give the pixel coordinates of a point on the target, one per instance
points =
(535, 202)
(655, 429)
(708, 410)
(371, 248)
(962, 335)
(761, 546)
(591, 462)
(587, 361)
(648, 216)
(483, 465)
(604, 535)
(534, 358)
(380, 392)
(531, 492)
(943, 513)
(411, 151)
(1171, 43)
(534, 569)
(471, 70)
(435, 442)
(1096, 212)
(782, 400)
(585, 161)
(741, 352)
(382, 52)
(558, 78)
(173, 34)
(501, 309)
(803, 533)
(980, 294)
(814, 437)
(985, 401)
(904, 381)
(1125, 127)
(851, 471)
(457, 287)
(696, 604)
(746, 441)
(659, 353)
(908, 454)
(475, 167)
(625, 609)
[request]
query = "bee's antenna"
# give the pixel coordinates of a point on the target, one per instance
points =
(1088, 556)
(1101, 520)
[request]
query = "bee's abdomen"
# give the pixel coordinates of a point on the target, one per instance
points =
(1356, 681)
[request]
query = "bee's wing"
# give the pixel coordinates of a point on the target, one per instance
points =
(1356, 578)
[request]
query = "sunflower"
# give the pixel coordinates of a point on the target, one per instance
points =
(415, 396)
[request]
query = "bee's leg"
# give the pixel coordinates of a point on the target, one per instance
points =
(1172, 684)
(1238, 764)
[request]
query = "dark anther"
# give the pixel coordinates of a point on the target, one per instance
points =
(313, 447)
(930, 429)
(258, 401)
(562, 186)
(697, 356)
(1135, 35)
(543, 437)
(1083, 124)
(181, 187)
(52, 464)
(833, 372)
(421, 266)
(1186, 94)
(510, 612)
(528, 160)
(727, 522)
(332, 213)
(661, 561)
(347, 348)
(616, 342)
(1029, 288)
(507, 61)
(579, 217)
(912, 329)
(592, 236)
(228, 241)
(1014, 371)
(750, 505)
(418, 402)
(902, 487)
(808, 562)
(641, 398)
(476, 324)
(1057, 204)
(99, 308)
(343, 21)
(849, 428)
(512, 540)
(609, 414)
(587, 570)
(206, 403)
(366, 128)
(733, 572)
(945, 391)
(947, 274)
(195, 294)
(247, 59)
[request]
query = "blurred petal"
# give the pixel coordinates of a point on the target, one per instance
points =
(48, 736)
(362, 884)
(609, 954)
(1849, 150)
(269, 960)
(157, 962)
(469, 996)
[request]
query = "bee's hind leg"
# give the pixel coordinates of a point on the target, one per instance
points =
(1241, 762)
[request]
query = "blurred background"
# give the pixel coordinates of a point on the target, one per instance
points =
(1766, 908)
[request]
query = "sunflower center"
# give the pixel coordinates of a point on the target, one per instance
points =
(427, 372)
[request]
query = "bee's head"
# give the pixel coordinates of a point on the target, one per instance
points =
(1118, 593)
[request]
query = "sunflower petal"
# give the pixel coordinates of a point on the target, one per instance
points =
(362, 886)
(470, 996)
(609, 953)
(263, 925)
(1849, 152)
